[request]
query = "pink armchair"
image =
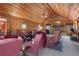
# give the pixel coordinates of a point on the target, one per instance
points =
(36, 45)
(10, 47)
(54, 39)
(57, 36)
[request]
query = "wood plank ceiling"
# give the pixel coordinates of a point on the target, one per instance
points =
(33, 12)
(68, 10)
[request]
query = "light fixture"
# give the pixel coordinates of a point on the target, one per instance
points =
(39, 27)
(44, 15)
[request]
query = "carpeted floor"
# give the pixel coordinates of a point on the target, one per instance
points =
(66, 48)
(69, 47)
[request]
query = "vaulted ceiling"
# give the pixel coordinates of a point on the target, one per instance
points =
(35, 12)
(68, 10)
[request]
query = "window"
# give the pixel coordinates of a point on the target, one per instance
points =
(23, 26)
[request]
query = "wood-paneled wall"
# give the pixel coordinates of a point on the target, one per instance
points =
(62, 19)
(16, 23)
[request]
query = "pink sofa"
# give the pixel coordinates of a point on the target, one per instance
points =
(10, 47)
